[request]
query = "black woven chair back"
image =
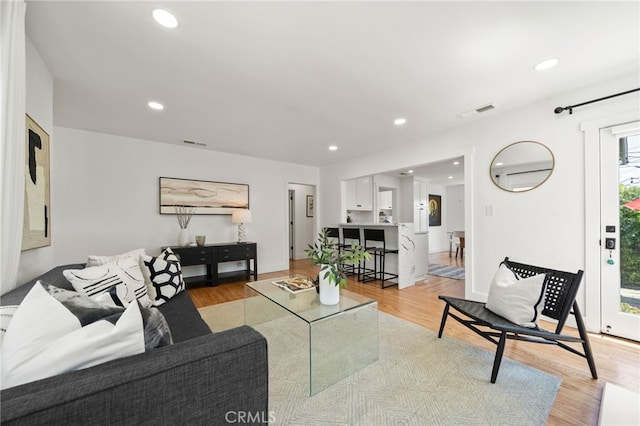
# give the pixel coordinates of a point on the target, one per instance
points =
(374, 235)
(561, 289)
(333, 232)
(351, 234)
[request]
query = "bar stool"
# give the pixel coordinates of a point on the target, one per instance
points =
(334, 235)
(379, 254)
(349, 236)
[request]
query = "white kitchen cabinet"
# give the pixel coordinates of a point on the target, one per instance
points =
(420, 197)
(420, 206)
(385, 200)
(420, 218)
(359, 194)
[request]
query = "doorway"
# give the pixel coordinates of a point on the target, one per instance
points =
(301, 210)
(620, 230)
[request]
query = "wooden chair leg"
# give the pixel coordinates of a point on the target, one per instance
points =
(498, 358)
(445, 314)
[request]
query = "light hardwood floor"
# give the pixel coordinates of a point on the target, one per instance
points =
(578, 400)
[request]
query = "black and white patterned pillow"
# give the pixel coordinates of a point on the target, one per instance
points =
(162, 276)
(6, 314)
(123, 275)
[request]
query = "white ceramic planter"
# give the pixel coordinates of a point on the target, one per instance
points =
(329, 292)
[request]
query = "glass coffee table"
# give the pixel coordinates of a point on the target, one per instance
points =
(342, 338)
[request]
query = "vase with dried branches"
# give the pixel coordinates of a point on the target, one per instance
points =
(184, 214)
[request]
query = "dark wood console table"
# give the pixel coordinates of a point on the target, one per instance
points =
(211, 255)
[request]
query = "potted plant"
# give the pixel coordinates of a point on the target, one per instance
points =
(332, 260)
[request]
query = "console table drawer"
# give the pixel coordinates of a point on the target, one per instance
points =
(194, 256)
(240, 252)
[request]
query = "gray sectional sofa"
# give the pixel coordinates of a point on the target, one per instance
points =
(202, 379)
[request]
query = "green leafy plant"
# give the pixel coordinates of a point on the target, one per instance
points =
(327, 253)
(629, 238)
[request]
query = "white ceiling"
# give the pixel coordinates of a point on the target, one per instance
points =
(284, 80)
(446, 172)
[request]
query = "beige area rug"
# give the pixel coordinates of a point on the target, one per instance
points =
(418, 379)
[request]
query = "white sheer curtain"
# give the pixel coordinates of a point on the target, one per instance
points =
(12, 128)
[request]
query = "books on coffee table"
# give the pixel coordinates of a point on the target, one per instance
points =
(295, 284)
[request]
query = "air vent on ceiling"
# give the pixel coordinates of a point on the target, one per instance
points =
(485, 108)
(478, 110)
(195, 143)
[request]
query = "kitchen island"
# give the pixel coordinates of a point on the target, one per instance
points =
(400, 236)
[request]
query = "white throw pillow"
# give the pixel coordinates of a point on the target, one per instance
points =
(124, 274)
(162, 276)
(45, 339)
(520, 300)
(94, 260)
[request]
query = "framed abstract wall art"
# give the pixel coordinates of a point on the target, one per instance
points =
(36, 228)
(435, 210)
(204, 196)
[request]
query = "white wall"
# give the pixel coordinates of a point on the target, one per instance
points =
(525, 226)
(406, 200)
(455, 207)
(106, 192)
(304, 226)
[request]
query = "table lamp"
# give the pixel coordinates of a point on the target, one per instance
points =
(241, 216)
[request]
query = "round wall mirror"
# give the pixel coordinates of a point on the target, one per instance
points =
(522, 166)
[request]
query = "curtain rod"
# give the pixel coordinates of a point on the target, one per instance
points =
(558, 110)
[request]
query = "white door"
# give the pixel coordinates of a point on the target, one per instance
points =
(620, 230)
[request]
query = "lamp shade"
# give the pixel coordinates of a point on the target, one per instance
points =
(241, 216)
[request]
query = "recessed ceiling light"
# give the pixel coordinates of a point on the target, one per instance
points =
(333, 148)
(499, 164)
(156, 105)
(546, 64)
(400, 121)
(164, 18)
(409, 171)
(455, 163)
(450, 177)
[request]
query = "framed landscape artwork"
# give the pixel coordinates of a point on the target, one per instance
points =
(435, 210)
(36, 228)
(204, 196)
